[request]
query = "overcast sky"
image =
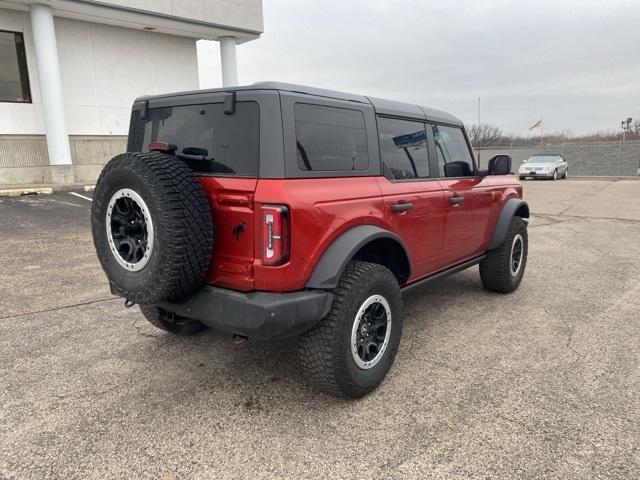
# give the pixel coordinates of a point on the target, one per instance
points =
(574, 62)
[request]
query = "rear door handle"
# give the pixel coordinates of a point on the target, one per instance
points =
(401, 207)
(456, 200)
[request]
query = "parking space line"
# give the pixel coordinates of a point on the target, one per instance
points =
(81, 196)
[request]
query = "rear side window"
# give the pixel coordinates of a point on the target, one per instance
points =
(330, 138)
(206, 139)
(403, 148)
(454, 158)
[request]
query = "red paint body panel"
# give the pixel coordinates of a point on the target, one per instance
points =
(465, 230)
(232, 204)
(320, 211)
(436, 233)
(421, 228)
(469, 226)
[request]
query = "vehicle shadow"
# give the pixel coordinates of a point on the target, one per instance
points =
(213, 363)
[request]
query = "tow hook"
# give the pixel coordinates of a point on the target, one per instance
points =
(128, 303)
(239, 339)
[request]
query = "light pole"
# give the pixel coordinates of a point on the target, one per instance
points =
(626, 127)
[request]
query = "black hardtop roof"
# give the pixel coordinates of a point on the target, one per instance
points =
(382, 106)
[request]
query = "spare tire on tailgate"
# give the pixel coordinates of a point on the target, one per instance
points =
(152, 227)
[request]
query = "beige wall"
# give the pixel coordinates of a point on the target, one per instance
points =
(24, 159)
(238, 13)
(103, 69)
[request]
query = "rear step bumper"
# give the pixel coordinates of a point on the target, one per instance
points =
(261, 315)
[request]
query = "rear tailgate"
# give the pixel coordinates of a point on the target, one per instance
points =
(231, 201)
(222, 147)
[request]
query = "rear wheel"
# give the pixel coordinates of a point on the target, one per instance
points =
(350, 351)
(170, 322)
(503, 268)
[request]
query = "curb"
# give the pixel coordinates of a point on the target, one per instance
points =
(16, 192)
(33, 190)
(603, 177)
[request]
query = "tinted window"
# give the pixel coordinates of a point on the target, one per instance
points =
(454, 158)
(329, 138)
(403, 148)
(208, 140)
(14, 78)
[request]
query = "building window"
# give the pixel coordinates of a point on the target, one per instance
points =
(330, 138)
(14, 77)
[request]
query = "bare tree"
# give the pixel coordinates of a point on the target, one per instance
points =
(485, 135)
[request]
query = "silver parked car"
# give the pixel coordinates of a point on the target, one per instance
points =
(544, 166)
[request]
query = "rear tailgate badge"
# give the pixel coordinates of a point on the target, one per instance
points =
(238, 230)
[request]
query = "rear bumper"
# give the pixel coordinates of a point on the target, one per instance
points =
(260, 315)
(536, 175)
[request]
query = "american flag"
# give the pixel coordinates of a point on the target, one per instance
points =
(536, 125)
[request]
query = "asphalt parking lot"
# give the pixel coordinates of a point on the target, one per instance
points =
(542, 383)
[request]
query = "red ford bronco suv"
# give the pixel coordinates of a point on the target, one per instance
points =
(275, 210)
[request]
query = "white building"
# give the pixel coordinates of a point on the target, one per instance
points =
(70, 69)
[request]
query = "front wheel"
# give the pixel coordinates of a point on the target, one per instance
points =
(555, 175)
(349, 352)
(522, 177)
(503, 268)
(566, 174)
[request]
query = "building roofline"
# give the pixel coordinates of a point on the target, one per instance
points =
(103, 12)
(166, 16)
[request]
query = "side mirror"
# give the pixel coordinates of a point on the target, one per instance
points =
(524, 161)
(500, 165)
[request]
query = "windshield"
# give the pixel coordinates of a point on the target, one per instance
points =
(206, 139)
(543, 159)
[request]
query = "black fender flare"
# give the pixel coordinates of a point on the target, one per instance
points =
(511, 208)
(335, 258)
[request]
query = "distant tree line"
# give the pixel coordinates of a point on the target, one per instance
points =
(487, 135)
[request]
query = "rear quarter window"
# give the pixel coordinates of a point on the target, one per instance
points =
(206, 139)
(330, 138)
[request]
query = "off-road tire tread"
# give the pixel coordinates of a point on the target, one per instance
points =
(321, 357)
(494, 269)
(183, 224)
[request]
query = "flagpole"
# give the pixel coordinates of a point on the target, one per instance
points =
(478, 130)
(542, 131)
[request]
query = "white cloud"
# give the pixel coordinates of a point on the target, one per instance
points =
(573, 62)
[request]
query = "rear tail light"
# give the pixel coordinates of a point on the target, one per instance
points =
(275, 234)
(162, 147)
